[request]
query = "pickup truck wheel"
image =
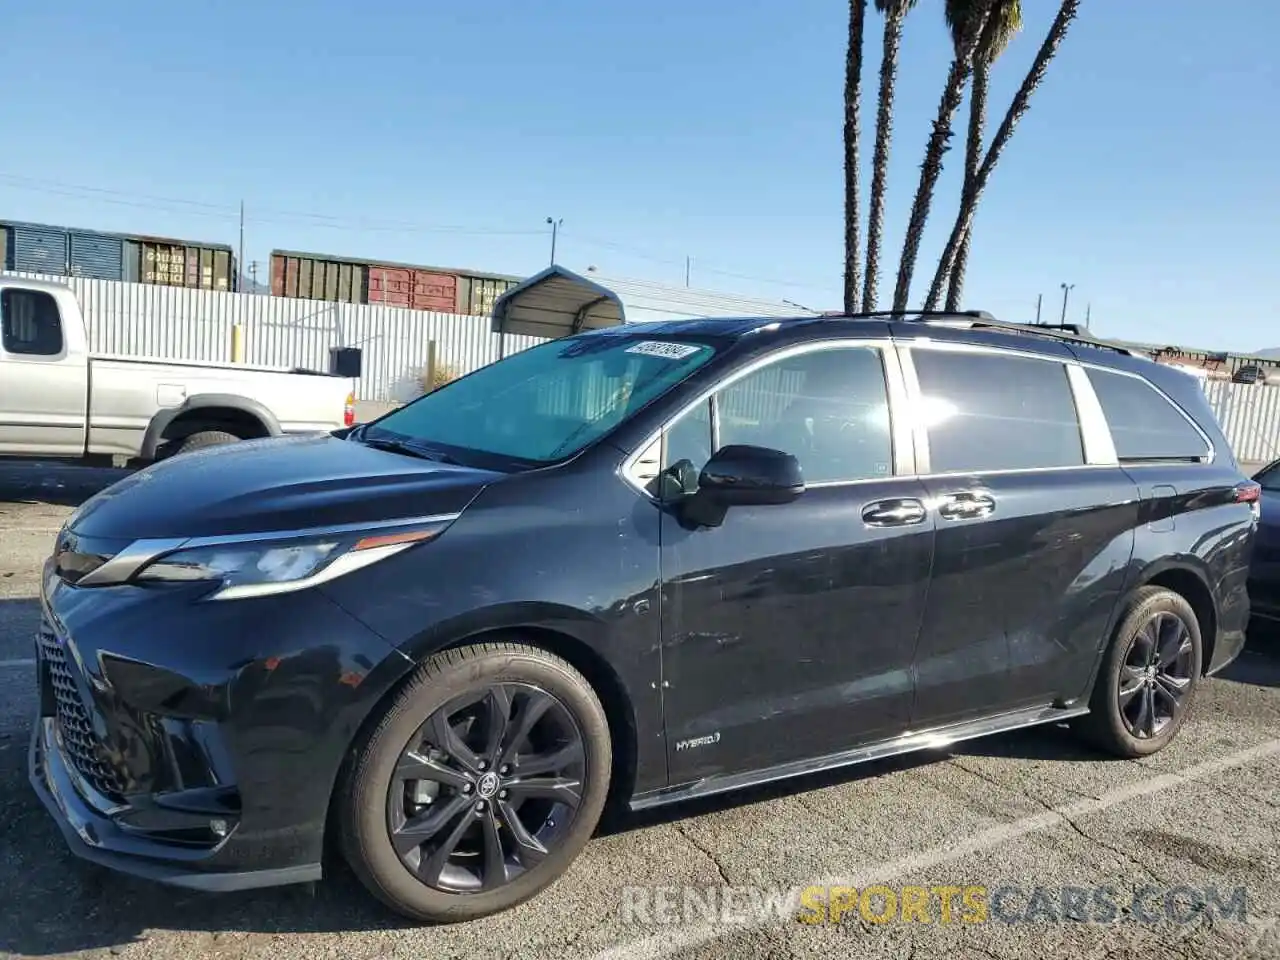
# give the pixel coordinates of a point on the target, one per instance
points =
(205, 438)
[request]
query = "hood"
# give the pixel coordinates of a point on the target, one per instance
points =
(278, 484)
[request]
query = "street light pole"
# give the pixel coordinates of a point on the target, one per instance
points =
(555, 226)
(1066, 292)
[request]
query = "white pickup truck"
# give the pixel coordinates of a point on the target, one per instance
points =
(59, 401)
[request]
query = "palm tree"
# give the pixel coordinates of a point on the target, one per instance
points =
(852, 160)
(895, 14)
(1021, 101)
(1005, 20)
(931, 168)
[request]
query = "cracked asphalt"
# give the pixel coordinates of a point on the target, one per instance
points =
(1075, 854)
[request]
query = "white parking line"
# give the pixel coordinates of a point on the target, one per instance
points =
(28, 662)
(671, 942)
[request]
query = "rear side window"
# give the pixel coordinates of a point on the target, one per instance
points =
(1144, 425)
(30, 323)
(986, 411)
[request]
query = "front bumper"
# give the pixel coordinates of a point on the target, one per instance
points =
(197, 743)
(95, 837)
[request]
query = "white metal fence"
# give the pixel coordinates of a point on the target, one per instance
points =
(1250, 417)
(179, 323)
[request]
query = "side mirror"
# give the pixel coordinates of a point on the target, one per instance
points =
(744, 475)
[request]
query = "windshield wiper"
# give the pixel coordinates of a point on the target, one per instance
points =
(408, 448)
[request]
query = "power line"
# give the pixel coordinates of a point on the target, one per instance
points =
(231, 213)
(682, 263)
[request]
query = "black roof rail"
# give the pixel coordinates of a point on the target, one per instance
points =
(1067, 332)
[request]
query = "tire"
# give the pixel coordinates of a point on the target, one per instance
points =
(1114, 723)
(373, 802)
(203, 439)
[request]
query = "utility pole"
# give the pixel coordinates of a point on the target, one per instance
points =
(240, 260)
(687, 262)
(1088, 311)
(1039, 303)
(555, 226)
(1066, 292)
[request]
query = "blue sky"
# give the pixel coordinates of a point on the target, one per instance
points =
(446, 133)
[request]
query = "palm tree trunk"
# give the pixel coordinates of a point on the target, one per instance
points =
(852, 98)
(1021, 101)
(931, 169)
(972, 158)
(880, 162)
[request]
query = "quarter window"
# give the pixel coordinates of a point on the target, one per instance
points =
(30, 323)
(987, 411)
(1144, 425)
(829, 408)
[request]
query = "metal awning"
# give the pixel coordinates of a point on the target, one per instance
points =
(557, 303)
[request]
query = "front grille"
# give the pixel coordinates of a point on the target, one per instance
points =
(79, 742)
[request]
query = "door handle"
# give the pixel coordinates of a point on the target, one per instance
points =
(894, 513)
(968, 505)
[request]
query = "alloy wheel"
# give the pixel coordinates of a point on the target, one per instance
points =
(486, 788)
(1156, 675)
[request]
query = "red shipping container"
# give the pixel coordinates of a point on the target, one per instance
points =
(277, 275)
(391, 285)
(437, 292)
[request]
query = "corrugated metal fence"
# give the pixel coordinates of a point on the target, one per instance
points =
(187, 324)
(1250, 417)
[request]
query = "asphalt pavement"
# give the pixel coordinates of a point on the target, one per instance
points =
(1071, 853)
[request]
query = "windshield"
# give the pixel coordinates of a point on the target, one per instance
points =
(550, 401)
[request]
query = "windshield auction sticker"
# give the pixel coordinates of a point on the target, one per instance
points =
(658, 348)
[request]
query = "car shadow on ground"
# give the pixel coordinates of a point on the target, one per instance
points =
(1259, 663)
(57, 484)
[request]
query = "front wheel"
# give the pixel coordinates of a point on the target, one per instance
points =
(1148, 676)
(479, 785)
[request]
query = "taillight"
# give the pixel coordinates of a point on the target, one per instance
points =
(349, 410)
(1250, 493)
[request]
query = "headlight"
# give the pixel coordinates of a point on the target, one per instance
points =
(256, 568)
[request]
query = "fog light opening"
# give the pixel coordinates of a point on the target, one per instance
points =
(218, 828)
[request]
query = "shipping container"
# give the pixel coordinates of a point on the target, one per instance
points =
(96, 255)
(39, 249)
(173, 263)
(434, 291)
(62, 251)
(477, 295)
(310, 279)
(348, 279)
(390, 285)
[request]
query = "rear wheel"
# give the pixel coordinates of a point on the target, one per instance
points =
(205, 438)
(1148, 677)
(479, 785)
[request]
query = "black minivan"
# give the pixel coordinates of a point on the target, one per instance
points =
(630, 566)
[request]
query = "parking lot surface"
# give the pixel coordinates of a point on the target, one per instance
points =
(1050, 832)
